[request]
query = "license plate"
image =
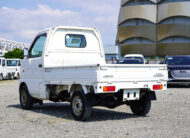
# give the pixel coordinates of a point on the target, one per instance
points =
(131, 94)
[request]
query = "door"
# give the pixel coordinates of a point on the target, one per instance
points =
(4, 69)
(33, 72)
(1, 69)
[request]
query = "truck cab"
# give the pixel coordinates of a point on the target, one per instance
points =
(67, 64)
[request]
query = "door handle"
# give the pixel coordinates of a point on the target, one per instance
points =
(40, 65)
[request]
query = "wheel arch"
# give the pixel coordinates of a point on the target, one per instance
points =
(21, 85)
(78, 87)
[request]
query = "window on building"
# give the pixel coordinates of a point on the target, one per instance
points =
(176, 20)
(137, 40)
(175, 39)
(136, 22)
(138, 2)
(170, 1)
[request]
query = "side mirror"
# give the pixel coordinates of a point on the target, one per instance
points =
(25, 51)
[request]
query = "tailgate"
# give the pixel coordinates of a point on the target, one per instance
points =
(132, 73)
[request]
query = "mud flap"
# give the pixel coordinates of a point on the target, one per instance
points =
(152, 95)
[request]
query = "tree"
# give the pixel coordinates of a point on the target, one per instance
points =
(16, 53)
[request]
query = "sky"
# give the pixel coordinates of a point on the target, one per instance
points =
(21, 20)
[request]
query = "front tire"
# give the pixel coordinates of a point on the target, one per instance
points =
(18, 76)
(26, 101)
(141, 107)
(10, 76)
(1, 77)
(80, 107)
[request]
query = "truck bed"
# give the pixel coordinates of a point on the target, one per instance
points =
(132, 73)
(122, 76)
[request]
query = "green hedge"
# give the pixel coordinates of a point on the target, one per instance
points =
(16, 53)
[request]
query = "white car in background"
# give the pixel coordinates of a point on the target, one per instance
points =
(13, 68)
(3, 73)
(132, 59)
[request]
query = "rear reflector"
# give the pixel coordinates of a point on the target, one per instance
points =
(157, 87)
(109, 88)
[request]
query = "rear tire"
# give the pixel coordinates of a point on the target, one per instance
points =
(26, 101)
(80, 106)
(141, 107)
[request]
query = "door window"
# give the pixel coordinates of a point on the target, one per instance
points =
(37, 47)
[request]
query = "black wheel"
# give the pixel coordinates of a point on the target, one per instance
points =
(141, 107)
(26, 101)
(10, 76)
(80, 107)
(40, 102)
(1, 77)
(18, 76)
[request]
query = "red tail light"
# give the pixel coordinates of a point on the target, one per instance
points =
(109, 88)
(157, 87)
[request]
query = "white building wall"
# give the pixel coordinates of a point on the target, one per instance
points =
(8, 45)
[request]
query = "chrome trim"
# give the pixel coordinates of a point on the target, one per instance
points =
(180, 78)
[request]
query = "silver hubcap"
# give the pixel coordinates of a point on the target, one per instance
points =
(77, 105)
(23, 97)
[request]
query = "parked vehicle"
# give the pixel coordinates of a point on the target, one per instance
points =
(3, 73)
(133, 59)
(178, 69)
(68, 64)
(13, 68)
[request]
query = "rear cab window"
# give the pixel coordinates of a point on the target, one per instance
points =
(75, 41)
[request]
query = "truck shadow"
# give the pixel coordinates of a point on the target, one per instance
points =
(62, 110)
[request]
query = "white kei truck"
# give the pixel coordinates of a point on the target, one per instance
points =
(9, 68)
(13, 68)
(67, 64)
(3, 72)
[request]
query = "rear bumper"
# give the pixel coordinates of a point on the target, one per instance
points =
(177, 81)
(130, 85)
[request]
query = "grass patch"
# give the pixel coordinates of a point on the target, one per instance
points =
(7, 81)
